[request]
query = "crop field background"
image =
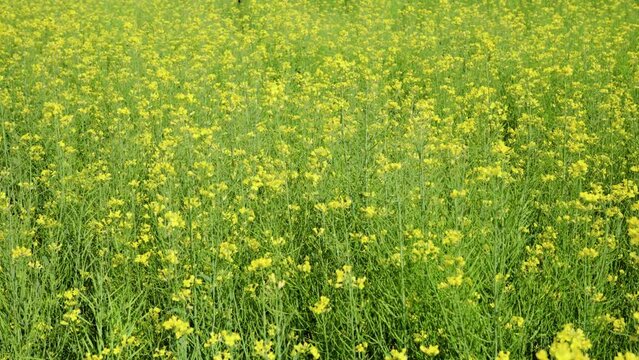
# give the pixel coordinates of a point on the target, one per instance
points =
(352, 179)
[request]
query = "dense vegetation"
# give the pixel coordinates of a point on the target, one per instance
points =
(356, 179)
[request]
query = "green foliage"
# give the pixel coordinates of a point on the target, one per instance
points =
(319, 179)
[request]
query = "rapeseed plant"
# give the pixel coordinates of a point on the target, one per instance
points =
(319, 179)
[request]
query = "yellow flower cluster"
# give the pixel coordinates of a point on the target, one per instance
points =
(321, 306)
(278, 179)
(305, 348)
(179, 326)
(569, 343)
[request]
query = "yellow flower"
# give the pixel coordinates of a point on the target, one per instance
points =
(261, 263)
(503, 355)
(174, 220)
(627, 356)
(633, 230)
(578, 169)
(361, 348)
(71, 317)
(397, 355)
(340, 203)
(452, 237)
(20, 251)
(70, 297)
(227, 250)
(314, 352)
(263, 349)
(179, 326)
(360, 283)
(306, 348)
(340, 275)
(230, 338)
(542, 355)
(500, 148)
(431, 350)
(321, 306)
(369, 211)
(305, 267)
(515, 322)
(619, 325)
(570, 343)
(143, 258)
(588, 252)
(4, 202)
(170, 256)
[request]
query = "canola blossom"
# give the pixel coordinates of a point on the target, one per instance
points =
(319, 179)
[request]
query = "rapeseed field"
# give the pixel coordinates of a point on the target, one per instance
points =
(319, 179)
